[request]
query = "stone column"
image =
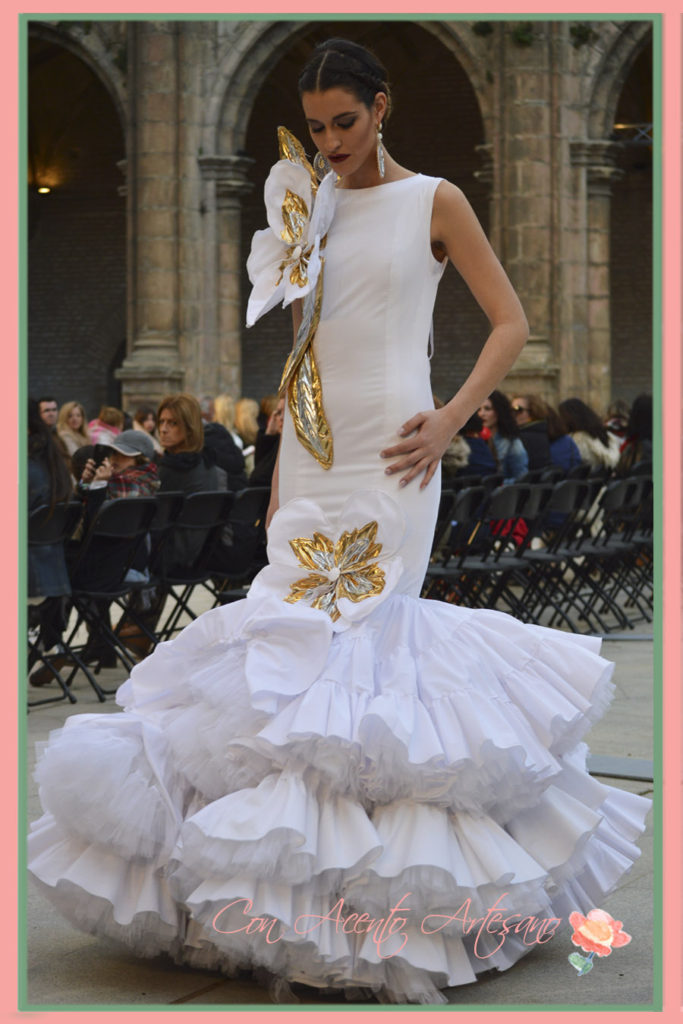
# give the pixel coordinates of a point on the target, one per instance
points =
(523, 228)
(225, 182)
(152, 366)
(597, 158)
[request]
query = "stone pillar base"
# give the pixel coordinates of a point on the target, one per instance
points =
(535, 372)
(146, 381)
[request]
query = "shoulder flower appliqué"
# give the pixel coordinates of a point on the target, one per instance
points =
(285, 259)
(352, 563)
(286, 263)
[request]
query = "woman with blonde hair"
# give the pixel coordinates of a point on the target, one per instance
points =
(224, 413)
(72, 427)
(246, 420)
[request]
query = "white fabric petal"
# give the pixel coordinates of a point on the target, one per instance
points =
(284, 176)
(324, 206)
(263, 267)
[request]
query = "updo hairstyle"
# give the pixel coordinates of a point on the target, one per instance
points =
(341, 64)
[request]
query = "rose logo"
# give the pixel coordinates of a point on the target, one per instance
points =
(598, 933)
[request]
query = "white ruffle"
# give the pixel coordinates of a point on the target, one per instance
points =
(262, 758)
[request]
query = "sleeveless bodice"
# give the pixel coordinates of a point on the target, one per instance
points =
(371, 347)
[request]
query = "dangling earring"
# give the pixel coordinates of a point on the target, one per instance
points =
(380, 151)
(321, 166)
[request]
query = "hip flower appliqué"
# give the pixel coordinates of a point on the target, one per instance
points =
(352, 563)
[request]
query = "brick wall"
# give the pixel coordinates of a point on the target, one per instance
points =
(77, 254)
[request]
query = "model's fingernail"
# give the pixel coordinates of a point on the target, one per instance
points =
(388, 471)
(382, 455)
(402, 483)
(402, 430)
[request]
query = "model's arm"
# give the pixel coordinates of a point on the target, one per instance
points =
(457, 232)
(274, 504)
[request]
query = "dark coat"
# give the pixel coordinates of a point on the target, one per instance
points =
(482, 461)
(47, 572)
(227, 453)
(534, 437)
(265, 457)
(188, 472)
(564, 453)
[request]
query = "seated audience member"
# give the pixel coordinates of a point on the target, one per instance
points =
(563, 450)
(616, 419)
(224, 413)
(267, 447)
(246, 425)
(48, 411)
(48, 579)
(499, 421)
(267, 407)
(71, 426)
(481, 460)
(228, 456)
(637, 445)
(597, 446)
(529, 414)
(145, 419)
(128, 471)
(108, 424)
(185, 465)
(457, 455)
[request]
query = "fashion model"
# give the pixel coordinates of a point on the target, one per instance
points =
(327, 779)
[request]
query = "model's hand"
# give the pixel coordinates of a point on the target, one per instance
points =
(428, 435)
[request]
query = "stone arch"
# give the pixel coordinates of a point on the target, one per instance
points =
(611, 74)
(89, 48)
(258, 48)
(249, 57)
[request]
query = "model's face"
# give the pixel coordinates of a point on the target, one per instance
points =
(75, 418)
(171, 431)
(48, 413)
(521, 411)
(487, 415)
(344, 130)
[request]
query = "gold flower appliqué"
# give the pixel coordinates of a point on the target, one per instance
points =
(342, 569)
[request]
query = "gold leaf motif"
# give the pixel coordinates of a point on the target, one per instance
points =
(294, 218)
(305, 400)
(344, 569)
(315, 553)
(306, 332)
(291, 149)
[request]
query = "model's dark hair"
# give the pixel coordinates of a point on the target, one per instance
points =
(577, 416)
(507, 424)
(339, 63)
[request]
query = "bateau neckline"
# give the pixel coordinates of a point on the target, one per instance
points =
(374, 188)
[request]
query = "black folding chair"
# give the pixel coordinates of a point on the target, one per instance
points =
(141, 607)
(50, 529)
(99, 574)
(189, 550)
(241, 553)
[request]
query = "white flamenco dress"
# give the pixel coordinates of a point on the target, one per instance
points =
(328, 778)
